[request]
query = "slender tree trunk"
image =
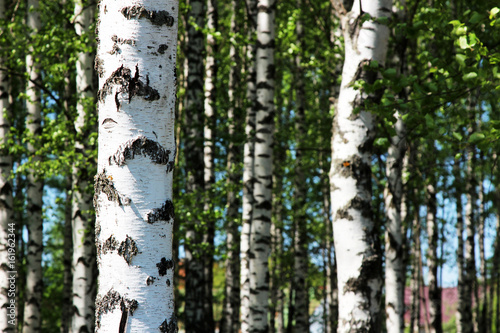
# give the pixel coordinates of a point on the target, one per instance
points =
(133, 187)
(463, 318)
(248, 170)
(358, 260)
(483, 320)
(469, 255)
(432, 232)
(196, 318)
(230, 319)
(394, 268)
(260, 232)
(67, 293)
(8, 248)
(34, 282)
(84, 269)
(416, 270)
(301, 297)
(208, 159)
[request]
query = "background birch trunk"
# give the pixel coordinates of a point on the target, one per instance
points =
(416, 272)
(231, 307)
(208, 159)
(195, 312)
(432, 256)
(84, 268)
(133, 188)
(358, 260)
(394, 268)
(301, 297)
(7, 224)
(248, 168)
(34, 282)
(260, 232)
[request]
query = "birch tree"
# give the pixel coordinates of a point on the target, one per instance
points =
(84, 270)
(7, 226)
(133, 188)
(248, 170)
(358, 260)
(34, 283)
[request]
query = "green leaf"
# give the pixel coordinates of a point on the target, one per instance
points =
(469, 76)
(390, 73)
(476, 137)
(461, 59)
(457, 136)
(462, 42)
(458, 156)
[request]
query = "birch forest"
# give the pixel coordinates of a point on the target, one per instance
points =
(253, 166)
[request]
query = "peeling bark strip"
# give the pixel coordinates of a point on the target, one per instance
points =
(110, 302)
(104, 184)
(165, 213)
(131, 85)
(163, 265)
(127, 249)
(141, 146)
(156, 17)
(170, 326)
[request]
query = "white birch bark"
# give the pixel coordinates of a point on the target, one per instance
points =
(358, 261)
(260, 232)
(84, 284)
(34, 283)
(230, 320)
(133, 188)
(8, 241)
(394, 268)
(248, 171)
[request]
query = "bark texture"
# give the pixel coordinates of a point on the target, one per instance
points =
(83, 263)
(34, 283)
(230, 319)
(133, 187)
(7, 225)
(358, 259)
(394, 268)
(248, 170)
(260, 232)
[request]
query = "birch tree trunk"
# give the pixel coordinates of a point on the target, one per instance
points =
(133, 188)
(34, 282)
(230, 320)
(463, 318)
(483, 319)
(260, 232)
(8, 227)
(208, 159)
(433, 234)
(394, 268)
(416, 272)
(358, 261)
(470, 245)
(248, 170)
(301, 297)
(84, 270)
(196, 317)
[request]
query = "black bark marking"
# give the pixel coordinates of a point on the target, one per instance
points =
(168, 282)
(104, 184)
(122, 77)
(158, 18)
(141, 146)
(99, 66)
(150, 280)
(108, 123)
(165, 213)
(137, 87)
(106, 304)
(369, 271)
(122, 41)
(109, 245)
(169, 326)
(162, 48)
(163, 265)
(128, 249)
